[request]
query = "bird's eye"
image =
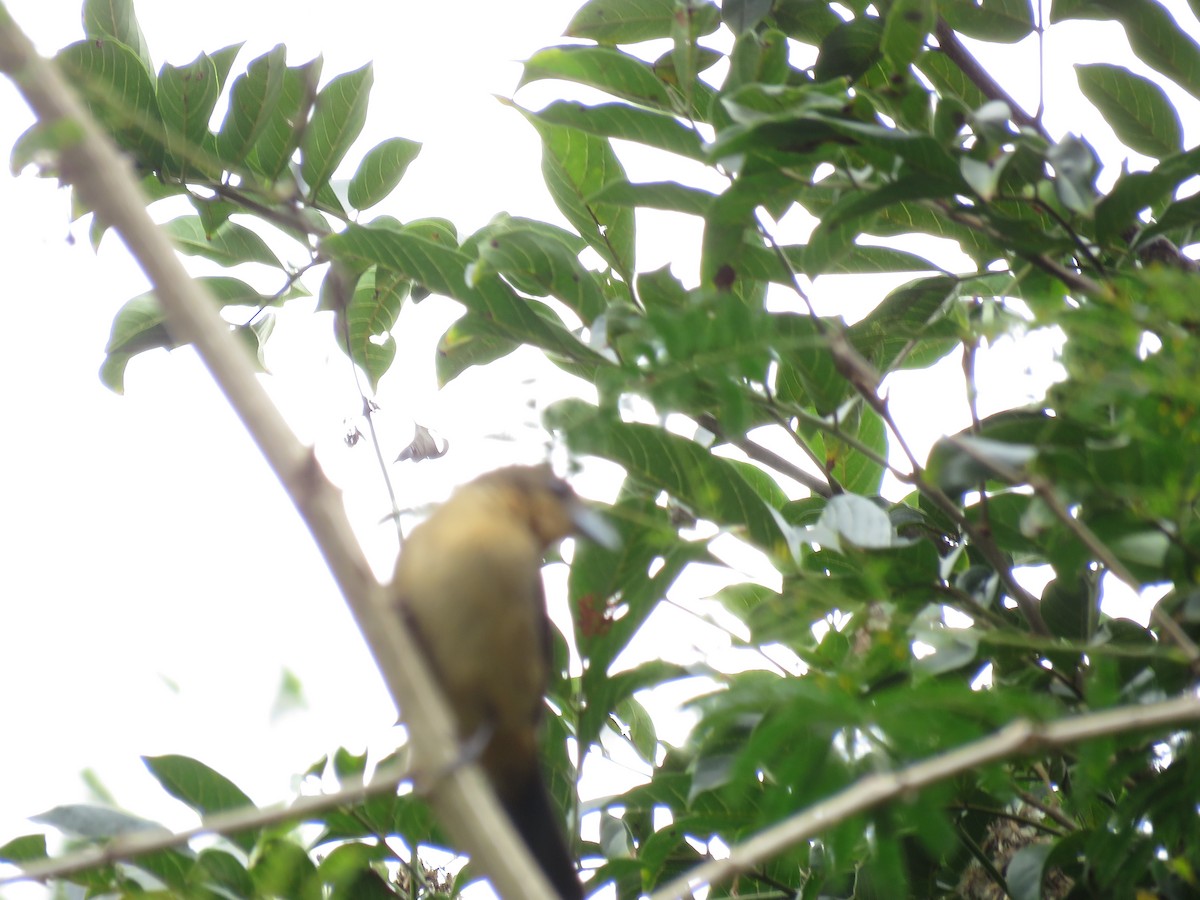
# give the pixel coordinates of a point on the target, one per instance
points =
(560, 489)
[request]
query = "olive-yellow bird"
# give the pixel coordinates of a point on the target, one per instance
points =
(469, 583)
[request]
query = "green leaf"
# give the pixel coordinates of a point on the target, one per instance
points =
(282, 868)
(1069, 606)
(173, 867)
(1138, 191)
(118, 90)
(41, 143)
(224, 870)
(603, 68)
(632, 21)
(201, 788)
(949, 80)
(1003, 21)
(186, 98)
(252, 103)
(854, 519)
(229, 245)
(442, 269)
(849, 50)
(26, 848)
(1152, 32)
(628, 123)
(338, 118)
(381, 170)
(744, 15)
(854, 213)
(966, 461)
(140, 324)
(540, 262)
(1026, 869)
(287, 120)
(372, 314)
(116, 19)
(1075, 168)
(711, 486)
(470, 341)
(905, 29)
(1138, 110)
(666, 195)
(576, 166)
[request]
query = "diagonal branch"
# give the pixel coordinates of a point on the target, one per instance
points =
(105, 182)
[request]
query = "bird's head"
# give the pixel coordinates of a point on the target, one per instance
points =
(548, 505)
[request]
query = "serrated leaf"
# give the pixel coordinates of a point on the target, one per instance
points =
(337, 119)
(1138, 110)
(380, 171)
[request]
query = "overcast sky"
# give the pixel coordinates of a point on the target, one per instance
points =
(154, 579)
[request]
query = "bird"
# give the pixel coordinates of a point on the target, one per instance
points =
(468, 583)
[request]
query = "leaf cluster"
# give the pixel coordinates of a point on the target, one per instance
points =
(899, 627)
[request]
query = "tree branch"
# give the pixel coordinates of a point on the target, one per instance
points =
(104, 180)
(1020, 738)
(130, 846)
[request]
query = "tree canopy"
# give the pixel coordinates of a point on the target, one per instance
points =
(921, 723)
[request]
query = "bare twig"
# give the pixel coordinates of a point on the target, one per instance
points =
(1019, 738)
(767, 457)
(89, 161)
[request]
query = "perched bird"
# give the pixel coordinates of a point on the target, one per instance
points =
(469, 583)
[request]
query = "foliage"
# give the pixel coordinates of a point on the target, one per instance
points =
(905, 614)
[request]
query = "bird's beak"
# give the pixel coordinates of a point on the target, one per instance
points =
(594, 527)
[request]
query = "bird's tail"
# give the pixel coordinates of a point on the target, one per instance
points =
(537, 821)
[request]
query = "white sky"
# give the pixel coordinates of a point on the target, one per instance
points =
(154, 579)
